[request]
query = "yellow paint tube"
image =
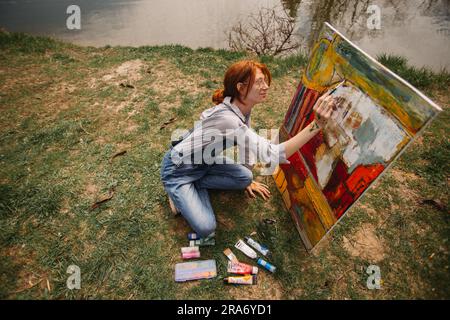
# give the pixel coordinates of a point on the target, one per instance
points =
(248, 279)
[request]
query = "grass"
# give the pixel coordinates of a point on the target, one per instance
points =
(421, 78)
(64, 115)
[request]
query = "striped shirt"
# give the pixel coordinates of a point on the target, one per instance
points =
(221, 127)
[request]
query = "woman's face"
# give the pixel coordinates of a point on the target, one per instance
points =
(258, 92)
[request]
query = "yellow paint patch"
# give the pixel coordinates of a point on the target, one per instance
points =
(325, 63)
(307, 216)
(287, 199)
(320, 204)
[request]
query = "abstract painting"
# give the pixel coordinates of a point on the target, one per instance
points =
(378, 114)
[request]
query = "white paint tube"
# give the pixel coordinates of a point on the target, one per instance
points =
(249, 252)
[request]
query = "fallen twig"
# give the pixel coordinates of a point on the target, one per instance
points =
(341, 276)
(81, 126)
(269, 221)
(27, 288)
(439, 206)
(120, 153)
(104, 199)
(167, 123)
(126, 85)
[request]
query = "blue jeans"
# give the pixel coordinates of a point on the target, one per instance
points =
(188, 184)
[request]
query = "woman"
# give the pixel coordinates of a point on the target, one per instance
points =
(193, 165)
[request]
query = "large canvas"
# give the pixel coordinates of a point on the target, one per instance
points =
(378, 115)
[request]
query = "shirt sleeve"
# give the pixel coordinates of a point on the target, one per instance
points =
(253, 148)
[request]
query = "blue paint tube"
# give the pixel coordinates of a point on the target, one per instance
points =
(192, 236)
(259, 247)
(266, 265)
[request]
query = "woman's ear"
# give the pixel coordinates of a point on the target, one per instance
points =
(241, 88)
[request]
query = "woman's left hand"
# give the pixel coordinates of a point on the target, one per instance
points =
(258, 187)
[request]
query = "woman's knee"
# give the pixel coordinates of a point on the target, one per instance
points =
(246, 176)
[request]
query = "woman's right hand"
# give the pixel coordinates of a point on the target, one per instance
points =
(324, 108)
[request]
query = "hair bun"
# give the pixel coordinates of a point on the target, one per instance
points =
(218, 96)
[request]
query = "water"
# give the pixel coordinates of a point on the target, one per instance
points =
(416, 29)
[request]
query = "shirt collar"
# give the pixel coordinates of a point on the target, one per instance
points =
(235, 108)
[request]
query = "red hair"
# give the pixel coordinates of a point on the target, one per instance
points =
(242, 71)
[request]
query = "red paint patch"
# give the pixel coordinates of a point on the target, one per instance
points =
(300, 115)
(299, 166)
(309, 150)
(343, 189)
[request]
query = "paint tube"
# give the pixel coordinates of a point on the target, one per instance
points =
(230, 255)
(249, 252)
(190, 252)
(248, 279)
(266, 265)
(210, 236)
(190, 249)
(241, 268)
(259, 247)
(202, 242)
(192, 236)
(191, 255)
